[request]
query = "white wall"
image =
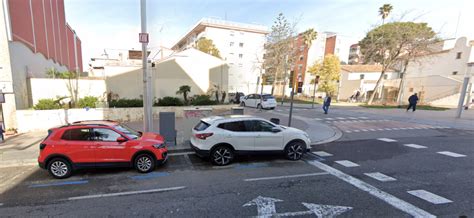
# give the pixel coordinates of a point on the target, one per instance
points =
(52, 88)
(371, 75)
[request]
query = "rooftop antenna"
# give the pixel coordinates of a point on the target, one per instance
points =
(457, 26)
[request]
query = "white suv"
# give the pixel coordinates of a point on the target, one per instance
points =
(264, 101)
(221, 138)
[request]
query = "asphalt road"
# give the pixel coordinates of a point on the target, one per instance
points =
(390, 173)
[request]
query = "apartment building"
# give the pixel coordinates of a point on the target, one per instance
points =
(241, 46)
(34, 37)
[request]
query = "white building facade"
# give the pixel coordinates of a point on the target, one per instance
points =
(240, 45)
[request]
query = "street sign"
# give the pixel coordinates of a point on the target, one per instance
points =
(143, 37)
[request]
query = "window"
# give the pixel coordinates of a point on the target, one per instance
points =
(258, 126)
(201, 126)
(300, 67)
(362, 76)
(105, 135)
(128, 131)
(385, 76)
(231, 44)
(458, 55)
(455, 72)
(237, 126)
(241, 44)
(241, 55)
(301, 57)
(77, 134)
(302, 48)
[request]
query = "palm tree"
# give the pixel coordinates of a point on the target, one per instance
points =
(308, 37)
(184, 90)
(384, 11)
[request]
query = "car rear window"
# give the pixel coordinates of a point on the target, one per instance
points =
(265, 97)
(201, 126)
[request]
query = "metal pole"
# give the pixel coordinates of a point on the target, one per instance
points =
(284, 80)
(291, 105)
(462, 96)
(314, 92)
(147, 118)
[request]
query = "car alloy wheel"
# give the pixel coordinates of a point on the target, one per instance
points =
(295, 151)
(222, 155)
(59, 168)
(144, 163)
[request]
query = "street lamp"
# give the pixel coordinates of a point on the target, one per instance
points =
(467, 77)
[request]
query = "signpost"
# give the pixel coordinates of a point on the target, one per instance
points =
(147, 102)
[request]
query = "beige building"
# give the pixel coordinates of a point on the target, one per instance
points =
(362, 78)
(190, 67)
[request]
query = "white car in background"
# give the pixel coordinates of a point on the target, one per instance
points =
(221, 138)
(265, 101)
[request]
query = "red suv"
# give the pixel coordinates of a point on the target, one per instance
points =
(100, 144)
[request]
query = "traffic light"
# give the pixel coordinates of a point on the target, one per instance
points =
(300, 87)
(317, 80)
(292, 79)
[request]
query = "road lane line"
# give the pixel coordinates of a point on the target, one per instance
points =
(371, 129)
(322, 154)
(347, 163)
(415, 146)
(380, 176)
(364, 130)
(388, 129)
(340, 118)
(150, 175)
(329, 118)
(451, 154)
(386, 140)
(1, 204)
(78, 182)
(396, 128)
(285, 177)
(181, 153)
(372, 190)
(317, 119)
(126, 193)
(356, 130)
(430, 197)
(347, 131)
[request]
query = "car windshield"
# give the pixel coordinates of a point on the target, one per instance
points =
(128, 131)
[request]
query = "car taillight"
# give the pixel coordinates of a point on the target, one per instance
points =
(42, 146)
(204, 136)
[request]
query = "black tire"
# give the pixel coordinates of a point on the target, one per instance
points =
(144, 163)
(222, 155)
(295, 150)
(59, 168)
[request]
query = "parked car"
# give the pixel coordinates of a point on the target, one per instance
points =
(234, 97)
(264, 101)
(92, 144)
(221, 138)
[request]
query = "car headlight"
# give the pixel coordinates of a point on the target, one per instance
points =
(159, 145)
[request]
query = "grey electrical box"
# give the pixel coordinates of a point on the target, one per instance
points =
(237, 111)
(168, 128)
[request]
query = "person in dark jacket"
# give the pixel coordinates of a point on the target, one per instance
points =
(326, 104)
(2, 138)
(412, 100)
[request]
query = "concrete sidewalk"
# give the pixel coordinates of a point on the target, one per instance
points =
(21, 150)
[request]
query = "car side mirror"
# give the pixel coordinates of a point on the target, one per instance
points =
(121, 139)
(276, 130)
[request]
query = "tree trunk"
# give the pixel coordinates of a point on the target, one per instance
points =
(372, 96)
(401, 87)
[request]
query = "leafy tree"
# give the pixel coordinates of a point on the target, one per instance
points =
(47, 104)
(384, 11)
(207, 46)
(279, 50)
(53, 73)
(308, 37)
(396, 42)
(328, 72)
(88, 101)
(184, 90)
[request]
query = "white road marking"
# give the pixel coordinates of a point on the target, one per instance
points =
(322, 153)
(329, 118)
(388, 129)
(181, 153)
(356, 130)
(372, 190)
(363, 118)
(265, 205)
(1, 204)
(317, 119)
(372, 129)
(321, 210)
(380, 176)
(340, 118)
(380, 129)
(364, 130)
(353, 118)
(430, 197)
(348, 131)
(451, 154)
(415, 146)
(347, 163)
(285, 177)
(127, 193)
(386, 140)
(396, 128)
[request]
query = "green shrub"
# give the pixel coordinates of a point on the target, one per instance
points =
(126, 103)
(202, 100)
(47, 104)
(169, 101)
(88, 101)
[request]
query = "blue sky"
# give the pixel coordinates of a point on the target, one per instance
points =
(115, 23)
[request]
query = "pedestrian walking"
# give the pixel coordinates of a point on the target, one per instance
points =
(1, 133)
(326, 104)
(357, 96)
(412, 100)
